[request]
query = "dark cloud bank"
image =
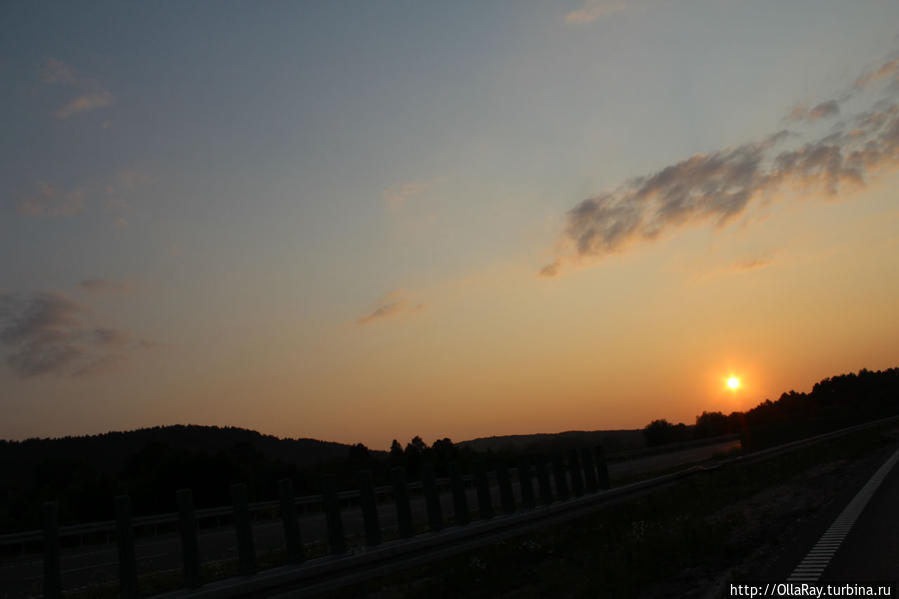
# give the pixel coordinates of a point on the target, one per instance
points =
(45, 333)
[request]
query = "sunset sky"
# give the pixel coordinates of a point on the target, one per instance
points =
(373, 220)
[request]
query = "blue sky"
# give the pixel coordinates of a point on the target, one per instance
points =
(340, 209)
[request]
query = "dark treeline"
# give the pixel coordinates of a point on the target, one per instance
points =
(85, 473)
(832, 403)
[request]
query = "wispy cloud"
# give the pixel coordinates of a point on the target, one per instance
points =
(752, 263)
(56, 71)
(46, 334)
(803, 113)
(48, 200)
(718, 187)
(86, 102)
(397, 196)
(394, 304)
(593, 10)
(90, 94)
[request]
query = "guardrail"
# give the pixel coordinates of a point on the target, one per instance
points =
(565, 487)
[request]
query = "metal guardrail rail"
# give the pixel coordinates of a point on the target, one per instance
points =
(377, 558)
(330, 573)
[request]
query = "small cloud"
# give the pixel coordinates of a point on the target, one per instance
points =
(105, 286)
(888, 70)
(803, 113)
(398, 195)
(86, 102)
(48, 200)
(550, 270)
(593, 10)
(752, 263)
(56, 71)
(393, 305)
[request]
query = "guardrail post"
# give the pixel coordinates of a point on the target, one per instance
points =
(125, 541)
(589, 471)
(485, 501)
(369, 505)
(460, 499)
(246, 550)
(336, 541)
(190, 550)
(52, 576)
(602, 470)
(403, 509)
(525, 482)
(292, 540)
(577, 475)
(546, 492)
(506, 498)
(559, 477)
(432, 497)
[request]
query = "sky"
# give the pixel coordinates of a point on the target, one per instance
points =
(366, 221)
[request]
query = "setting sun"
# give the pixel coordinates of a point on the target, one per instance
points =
(733, 382)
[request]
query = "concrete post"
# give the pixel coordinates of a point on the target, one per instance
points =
(526, 482)
(546, 492)
(589, 470)
(336, 541)
(190, 550)
(369, 504)
(602, 470)
(460, 499)
(432, 497)
(559, 478)
(485, 501)
(577, 475)
(403, 509)
(506, 498)
(246, 550)
(52, 575)
(125, 540)
(292, 539)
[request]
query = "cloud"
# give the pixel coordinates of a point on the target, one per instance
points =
(91, 95)
(718, 187)
(56, 71)
(393, 305)
(752, 263)
(47, 200)
(105, 286)
(810, 115)
(888, 70)
(398, 195)
(85, 102)
(593, 10)
(46, 334)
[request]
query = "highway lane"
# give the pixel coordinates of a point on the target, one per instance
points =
(871, 549)
(87, 565)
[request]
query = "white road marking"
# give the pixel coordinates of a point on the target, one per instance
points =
(819, 556)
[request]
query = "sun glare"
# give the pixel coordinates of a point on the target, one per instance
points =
(733, 382)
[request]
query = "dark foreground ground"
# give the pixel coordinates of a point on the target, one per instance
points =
(752, 522)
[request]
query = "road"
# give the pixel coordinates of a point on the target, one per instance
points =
(83, 566)
(871, 549)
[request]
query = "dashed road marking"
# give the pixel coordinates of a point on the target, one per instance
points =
(819, 556)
